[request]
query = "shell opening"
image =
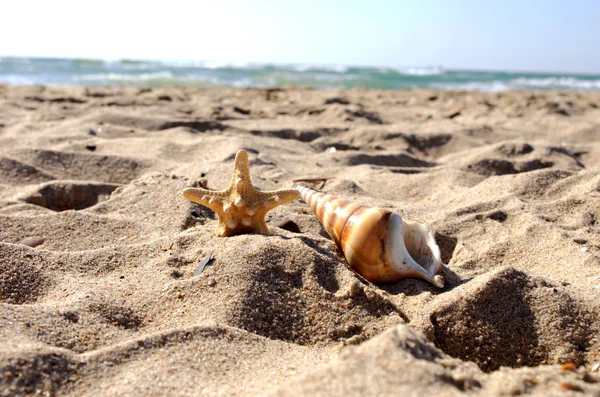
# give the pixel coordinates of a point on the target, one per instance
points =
(422, 247)
(416, 251)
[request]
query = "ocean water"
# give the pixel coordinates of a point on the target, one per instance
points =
(89, 72)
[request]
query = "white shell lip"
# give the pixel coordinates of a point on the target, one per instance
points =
(412, 250)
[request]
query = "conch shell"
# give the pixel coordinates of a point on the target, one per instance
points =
(377, 243)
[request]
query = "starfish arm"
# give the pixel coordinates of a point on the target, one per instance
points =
(241, 168)
(207, 198)
(274, 198)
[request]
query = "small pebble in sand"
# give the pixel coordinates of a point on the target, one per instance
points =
(569, 367)
(202, 265)
(32, 241)
(212, 282)
(589, 378)
(584, 249)
(571, 386)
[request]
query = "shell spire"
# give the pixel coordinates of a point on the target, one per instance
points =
(377, 243)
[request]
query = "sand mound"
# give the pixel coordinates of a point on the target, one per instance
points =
(82, 166)
(37, 371)
(516, 157)
(25, 275)
(15, 172)
(403, 361)
(507, 318)
(302, 294)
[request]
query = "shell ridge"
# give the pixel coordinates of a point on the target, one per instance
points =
(347, 224)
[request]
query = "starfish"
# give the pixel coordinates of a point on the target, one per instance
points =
(241, 207)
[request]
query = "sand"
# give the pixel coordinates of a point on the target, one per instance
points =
(99, 250)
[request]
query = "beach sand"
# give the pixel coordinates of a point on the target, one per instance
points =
(98, 248)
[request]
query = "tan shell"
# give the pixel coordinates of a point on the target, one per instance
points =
(377, 243)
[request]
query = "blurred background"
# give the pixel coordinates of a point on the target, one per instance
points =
(454, 44)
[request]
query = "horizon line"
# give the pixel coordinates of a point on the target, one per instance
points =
(233, 63)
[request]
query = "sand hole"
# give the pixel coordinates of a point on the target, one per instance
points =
(423, 144)
(299, 135)
(117, 315)
(360, 113)
(388, 160)
(512, 149)
(491, 167)
(62, 196)
(195, 125)
(499, 216)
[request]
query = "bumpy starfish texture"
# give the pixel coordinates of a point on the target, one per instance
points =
(241, 208)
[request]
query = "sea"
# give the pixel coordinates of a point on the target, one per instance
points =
(148, 74)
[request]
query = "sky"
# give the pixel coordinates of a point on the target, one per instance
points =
(525, 35)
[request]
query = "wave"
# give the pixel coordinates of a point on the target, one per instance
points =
(420, 71)
(122, 76)
(243, 65)
(303, 68)
(18, 79)
(489, 86)
(142, 80)
(154, 73)
(558, 82)
(523, 83)
(162, 78)
(223, 65)
(190, 64)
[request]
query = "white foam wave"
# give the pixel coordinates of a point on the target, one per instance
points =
(523, 83)
(301, 68)
(146, 65)
(217, 64)
(17, 79)
(557, 82)
(247, 66)
(489, 86)
(420, 71)
(122, 76)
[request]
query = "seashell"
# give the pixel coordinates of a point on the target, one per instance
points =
(377, 243)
